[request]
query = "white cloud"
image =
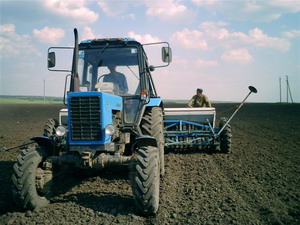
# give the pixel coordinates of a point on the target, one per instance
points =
(7, 28)
(203, 63)
(205, 2)
(212, 35)
(255, 37)
(114, 9)
(88, 34)
(272, 16)
(292, 34)
(253, 11)
(12, 44)
(49, 35)
(240, 56)
(215, 30)
(131, 16)
(177, 60)
(168, 9)
(76, 10)
(6, 47)
(7, 32)
(268, 10)
(146, 38)
(171, 10)
(191, 39)
(288, 5)
(252, 7)
(258, 38)
(209, 25)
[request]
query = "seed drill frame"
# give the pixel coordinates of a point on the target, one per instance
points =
(196, 128)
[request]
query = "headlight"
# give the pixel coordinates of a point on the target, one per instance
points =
(60, 131)
(110, 129)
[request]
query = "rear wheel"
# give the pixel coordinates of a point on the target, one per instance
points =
(225, 136)
(32, 179)
(152, 125)
(144, 176)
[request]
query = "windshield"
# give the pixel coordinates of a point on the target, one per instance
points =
(110, 70)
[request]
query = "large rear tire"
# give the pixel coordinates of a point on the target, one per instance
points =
(32, 179)
(144, 176)
(152, 125)
(225, 136)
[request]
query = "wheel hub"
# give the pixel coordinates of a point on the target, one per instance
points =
(43, 181)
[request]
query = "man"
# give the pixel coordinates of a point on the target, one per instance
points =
(116, 78)
(199, 100)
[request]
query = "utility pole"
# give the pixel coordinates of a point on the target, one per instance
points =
(280, 89)
(288, 89)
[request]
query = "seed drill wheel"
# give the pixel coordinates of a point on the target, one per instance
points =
(225, 136)
(144, 177)
(32, 179)
(50, 126)
(152, 125)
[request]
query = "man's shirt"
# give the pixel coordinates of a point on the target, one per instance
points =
(201, 101)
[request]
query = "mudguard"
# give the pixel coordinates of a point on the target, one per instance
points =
(154, 102)
(46, 142)
(145, 141)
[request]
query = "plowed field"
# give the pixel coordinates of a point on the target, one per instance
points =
(257, 183)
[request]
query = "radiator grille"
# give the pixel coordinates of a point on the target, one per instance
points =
(85, 118)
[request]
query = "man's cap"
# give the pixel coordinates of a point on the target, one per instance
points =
(199, 90)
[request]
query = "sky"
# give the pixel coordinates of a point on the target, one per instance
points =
(221, 46)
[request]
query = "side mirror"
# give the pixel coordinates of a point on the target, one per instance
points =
(60, 58)
(51, 59)
(166, 54)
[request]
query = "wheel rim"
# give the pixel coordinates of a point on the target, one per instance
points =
(43, 181)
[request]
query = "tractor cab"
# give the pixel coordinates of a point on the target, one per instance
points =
(110, 66)
(116, 67)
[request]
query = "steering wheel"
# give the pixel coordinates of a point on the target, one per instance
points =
(104, 75)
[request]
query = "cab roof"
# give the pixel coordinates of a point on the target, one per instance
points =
(105, 40)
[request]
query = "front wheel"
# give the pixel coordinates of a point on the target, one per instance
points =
(32, 179)
(152, 125)
(144, 176)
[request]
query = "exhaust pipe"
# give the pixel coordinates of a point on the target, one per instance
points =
(252, 89)
(75, 77)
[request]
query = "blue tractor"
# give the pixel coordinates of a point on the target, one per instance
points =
(113, 116)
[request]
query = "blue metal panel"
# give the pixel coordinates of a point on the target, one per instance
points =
(154, 102)
(108, 103)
